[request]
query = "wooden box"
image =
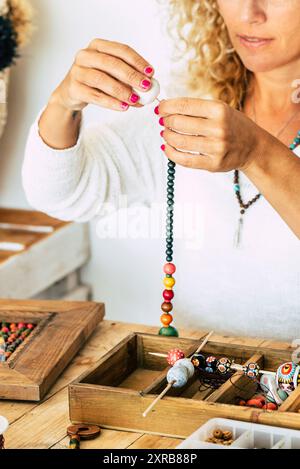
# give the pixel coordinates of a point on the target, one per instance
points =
(115, 392)
(61, 328)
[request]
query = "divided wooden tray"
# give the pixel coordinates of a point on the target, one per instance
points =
(115, 392)
(62, 327)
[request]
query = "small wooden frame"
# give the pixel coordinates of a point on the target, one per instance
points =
(61, 329)
(115, 392)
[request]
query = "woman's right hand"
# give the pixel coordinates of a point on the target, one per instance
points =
(104, 74)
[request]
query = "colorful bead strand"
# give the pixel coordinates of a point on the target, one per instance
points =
(169, 268)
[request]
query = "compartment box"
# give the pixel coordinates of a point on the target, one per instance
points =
(115, 392)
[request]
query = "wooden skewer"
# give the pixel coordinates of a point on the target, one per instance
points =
(167, 388)
(164, 355)
(237, 367)
(169, 385)
(204, 342)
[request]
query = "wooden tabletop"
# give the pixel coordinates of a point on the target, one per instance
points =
(43, 425)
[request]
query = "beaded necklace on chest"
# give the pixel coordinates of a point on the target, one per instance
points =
(236, 179)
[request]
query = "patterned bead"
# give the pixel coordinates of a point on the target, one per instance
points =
(169, 268)
(251, 370)
(198, 360)
(179, 375)
(186, 362)
(166, 319)
(211, 364)
(174, 355)
(224, 365)
(169, 282)
(168, 295)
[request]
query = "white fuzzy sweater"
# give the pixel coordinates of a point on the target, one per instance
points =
(253, 289)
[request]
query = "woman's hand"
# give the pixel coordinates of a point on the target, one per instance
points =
(104, 74)
(224, 138)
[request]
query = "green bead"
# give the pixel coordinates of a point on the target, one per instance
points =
(169, 331)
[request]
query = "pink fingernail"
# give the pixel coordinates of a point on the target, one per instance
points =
(145, 84)
(124, 105)
(161, 121)
(134, 98)
(148, 70)
(156, 110)
(162, 133)
(163, 147)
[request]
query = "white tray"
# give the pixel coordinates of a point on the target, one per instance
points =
(3, 425)
(246, 435)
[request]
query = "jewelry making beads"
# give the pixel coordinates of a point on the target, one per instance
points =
(224, 365)
(169, 268)
(251, 370)
(174, 355)
(11, 336)
(186, 362)
(178, 376)
(211, 364)
(199, 361)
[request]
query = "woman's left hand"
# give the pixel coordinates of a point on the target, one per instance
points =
(224, 138)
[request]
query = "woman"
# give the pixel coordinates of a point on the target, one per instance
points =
(247, 58)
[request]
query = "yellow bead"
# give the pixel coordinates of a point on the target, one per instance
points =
(169, 282)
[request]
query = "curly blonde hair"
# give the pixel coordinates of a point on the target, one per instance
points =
(213, 66)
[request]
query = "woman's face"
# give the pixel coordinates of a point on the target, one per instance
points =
(277, 22)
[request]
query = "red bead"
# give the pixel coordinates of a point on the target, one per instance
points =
(174, 355)
(169, 268)
(30, 326)
(20, 325)
(168, 295)
(5, 329)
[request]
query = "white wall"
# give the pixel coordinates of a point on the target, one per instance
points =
(131, 291)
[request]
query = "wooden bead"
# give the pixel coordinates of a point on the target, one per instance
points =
(166, 319)
(166, 307)
(174, 355)
(169, 268)
(169, 282)
(168, 295)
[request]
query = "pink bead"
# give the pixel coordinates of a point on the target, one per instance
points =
(20, 325)
(30, 326)
(174, 355)
(168, 295)
(169, 268)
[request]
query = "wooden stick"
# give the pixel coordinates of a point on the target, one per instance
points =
(204, 342)
(167, 388)
(237, 367)
(169, 385)
(164, 355)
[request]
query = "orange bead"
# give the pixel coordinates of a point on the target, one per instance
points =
(166, 319)
(166, 307)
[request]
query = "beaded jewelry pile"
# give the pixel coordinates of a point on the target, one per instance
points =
(12, 335)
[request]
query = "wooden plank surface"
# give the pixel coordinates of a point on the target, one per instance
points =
(44, 425)
(44, 259)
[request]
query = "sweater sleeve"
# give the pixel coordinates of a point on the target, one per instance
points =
(113, 161)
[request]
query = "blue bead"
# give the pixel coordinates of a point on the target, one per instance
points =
(236, 187)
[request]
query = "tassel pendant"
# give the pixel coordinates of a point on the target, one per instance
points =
(238, 233)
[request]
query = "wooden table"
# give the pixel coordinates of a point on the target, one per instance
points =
(43, 425)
